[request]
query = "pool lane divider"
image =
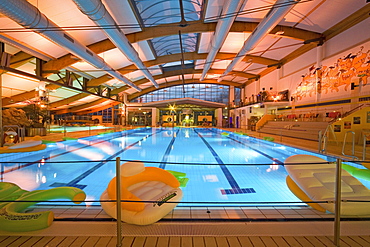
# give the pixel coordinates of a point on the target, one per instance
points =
(235, 188)
(168, 150)
(74, 182)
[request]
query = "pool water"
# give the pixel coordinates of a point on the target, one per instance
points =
(221, 169)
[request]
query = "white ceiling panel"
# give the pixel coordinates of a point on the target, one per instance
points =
(234, 42)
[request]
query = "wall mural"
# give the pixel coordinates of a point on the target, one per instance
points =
(329, 79)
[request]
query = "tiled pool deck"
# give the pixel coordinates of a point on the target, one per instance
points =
(201, 213)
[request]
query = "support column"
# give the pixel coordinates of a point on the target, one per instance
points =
(154, 117)
(231, 96)
(2, 48)
(219, 116)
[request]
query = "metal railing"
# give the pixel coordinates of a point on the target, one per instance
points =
(353, 145)
(323, 138)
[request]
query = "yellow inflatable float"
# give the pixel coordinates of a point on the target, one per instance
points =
(34, 144)
(149, 194)
(316, 182)
(12, 216)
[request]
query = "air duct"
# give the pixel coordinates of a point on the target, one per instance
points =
(28, 16)
(280, 9)
(229, 13)
(97, 12)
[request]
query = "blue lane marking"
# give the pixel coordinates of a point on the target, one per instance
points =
(256, 150)
(168, 150)
(235, 188)
(74, 182)
(57, 155)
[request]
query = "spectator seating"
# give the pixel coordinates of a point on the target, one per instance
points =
(302, 130)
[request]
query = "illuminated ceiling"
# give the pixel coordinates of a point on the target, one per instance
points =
(136, 46)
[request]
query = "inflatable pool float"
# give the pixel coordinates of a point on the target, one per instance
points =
(10, 137)
(34, 144)
(106, 132)
(316, 182)
(225, 134)
(66, 138)
(269, 138)
(140, 184)
(180, 176)
(357, 172)
(47, 141)
(12, 216)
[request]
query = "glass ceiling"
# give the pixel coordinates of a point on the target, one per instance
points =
(154, 13)
(209, 92)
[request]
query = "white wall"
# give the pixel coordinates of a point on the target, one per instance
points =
(355, 41)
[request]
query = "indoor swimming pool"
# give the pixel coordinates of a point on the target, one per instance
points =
(222, 168)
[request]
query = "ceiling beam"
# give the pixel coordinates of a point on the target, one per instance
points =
(187, 56)
(87, 105)
(147, 90)
(168, 59)
(58, 83)
(357, 17)
(165, 30)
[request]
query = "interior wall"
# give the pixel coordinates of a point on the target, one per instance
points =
(295, 74)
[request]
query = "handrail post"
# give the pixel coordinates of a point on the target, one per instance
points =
(353, 145)
(118, 203)
(338, 199)
(364, 147)
(320, 141)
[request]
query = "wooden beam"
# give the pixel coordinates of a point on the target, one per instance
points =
(357, 17)
(165, 30)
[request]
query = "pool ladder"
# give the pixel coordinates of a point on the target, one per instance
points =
(353, 146)
(323, 138)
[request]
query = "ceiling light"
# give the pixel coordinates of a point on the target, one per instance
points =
(279, 33)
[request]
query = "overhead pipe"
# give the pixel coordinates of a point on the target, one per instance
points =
(280, 9)
(229, 13)
(97, 12)
(28, 16)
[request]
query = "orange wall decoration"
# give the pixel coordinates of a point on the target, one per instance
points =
(329, 79)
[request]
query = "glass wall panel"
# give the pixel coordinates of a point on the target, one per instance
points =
(209, 92)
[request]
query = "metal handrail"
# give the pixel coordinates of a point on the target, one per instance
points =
(353, 145)
(364, 139)
(323, 142)
(324, 137)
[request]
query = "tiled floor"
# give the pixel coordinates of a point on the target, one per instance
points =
(186, 213)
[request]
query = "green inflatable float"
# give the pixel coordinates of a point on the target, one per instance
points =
(225, 134)
(357, 172)
(181, 177)
(269, 138)
(14, 201)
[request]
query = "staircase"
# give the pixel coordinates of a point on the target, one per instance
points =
(301, 130)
